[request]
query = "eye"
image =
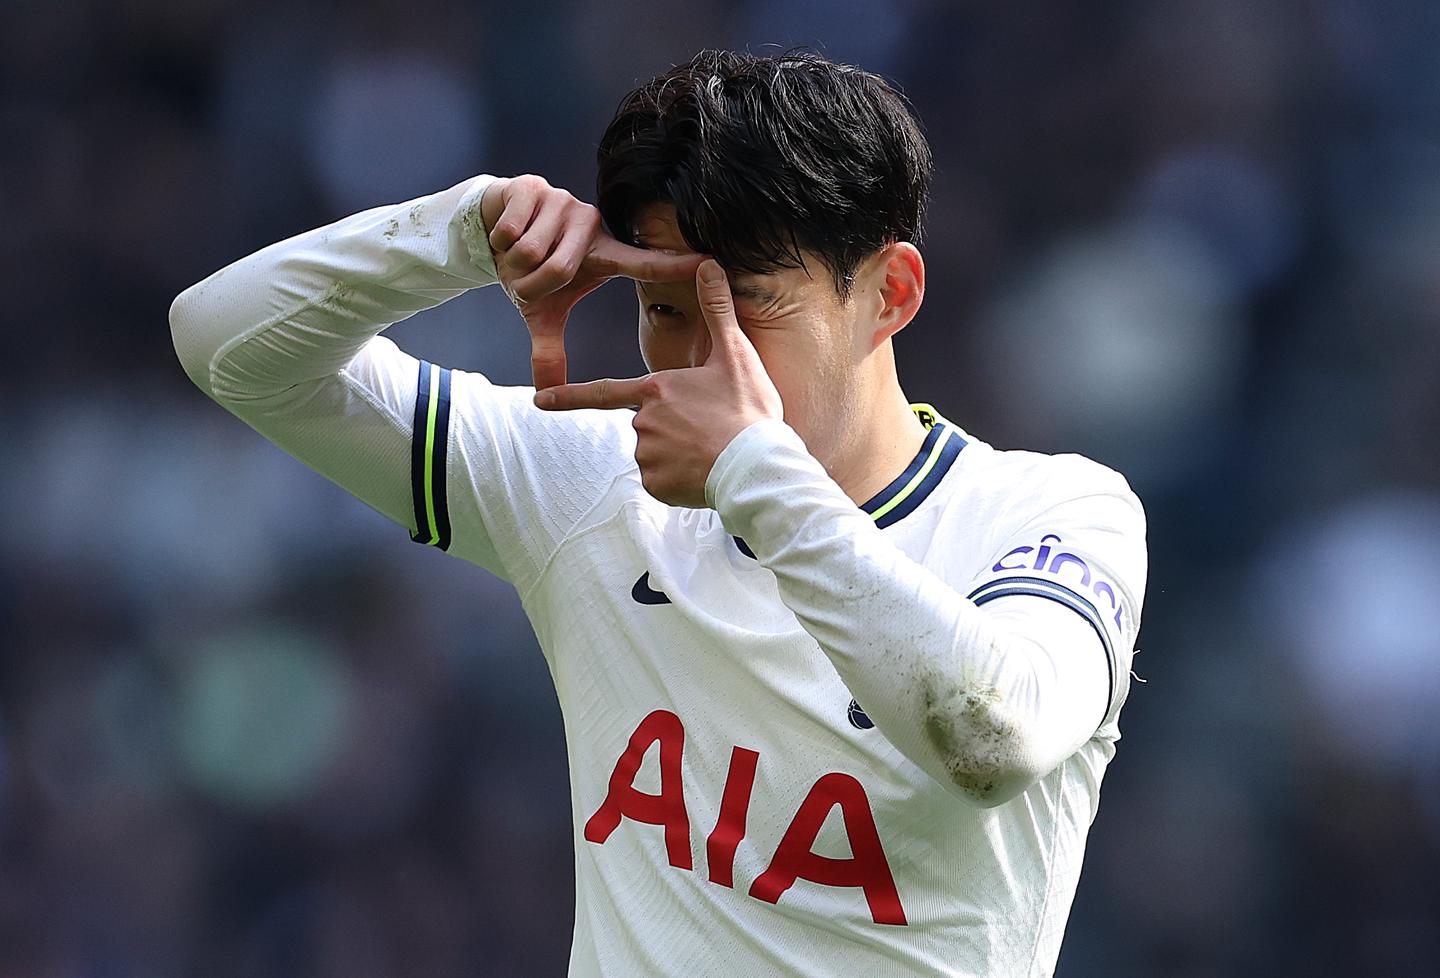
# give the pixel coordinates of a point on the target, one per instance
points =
(660, 309)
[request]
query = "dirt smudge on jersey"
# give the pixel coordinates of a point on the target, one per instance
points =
(337, 294)
(975, 738)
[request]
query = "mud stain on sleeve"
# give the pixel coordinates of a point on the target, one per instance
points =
(975, 739)
(337, 295)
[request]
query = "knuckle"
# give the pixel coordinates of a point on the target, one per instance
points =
(560, 269)
(568, 268)
(546, 279)
(506, 230)
(527, 254)
(587, 215)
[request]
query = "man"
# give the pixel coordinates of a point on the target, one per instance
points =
(839, 679)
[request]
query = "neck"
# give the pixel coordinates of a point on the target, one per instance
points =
(884, 437)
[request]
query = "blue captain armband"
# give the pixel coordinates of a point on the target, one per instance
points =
(1006, 587)
(1083, 590)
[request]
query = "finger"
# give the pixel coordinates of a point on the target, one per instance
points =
(546, 319)
(560, 267)
(611, 257)
(528, 254)
(547, 357)
(522, 199)
(717, 305)
(605, 393)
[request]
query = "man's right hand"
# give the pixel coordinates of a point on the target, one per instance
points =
(550, 252)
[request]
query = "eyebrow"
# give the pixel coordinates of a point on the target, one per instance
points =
(751, 291)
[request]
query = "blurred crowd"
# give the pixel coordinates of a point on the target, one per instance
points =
(247, 729)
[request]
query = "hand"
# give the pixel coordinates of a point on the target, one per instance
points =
(550, 252)
(687, 416)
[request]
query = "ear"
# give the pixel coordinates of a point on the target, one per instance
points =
(897, 274)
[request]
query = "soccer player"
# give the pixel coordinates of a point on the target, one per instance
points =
(839, 679)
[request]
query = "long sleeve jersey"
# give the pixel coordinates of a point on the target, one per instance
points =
(806, 737)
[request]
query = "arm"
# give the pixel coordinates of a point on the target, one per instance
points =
(986, 700)
(288, 340)
(301, 310)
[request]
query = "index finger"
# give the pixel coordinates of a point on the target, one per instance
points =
(606, 393)
(611, 257)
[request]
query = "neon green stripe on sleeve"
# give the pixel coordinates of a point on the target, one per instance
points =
(430, 416)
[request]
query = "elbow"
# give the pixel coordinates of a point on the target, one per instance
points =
(187, 315)
(984, 746)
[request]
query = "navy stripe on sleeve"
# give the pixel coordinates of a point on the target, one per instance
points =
(1053, 591)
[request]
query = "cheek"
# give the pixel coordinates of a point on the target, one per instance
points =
(663, 349)
(798, 364)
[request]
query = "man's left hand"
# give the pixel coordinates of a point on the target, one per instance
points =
(687, 416)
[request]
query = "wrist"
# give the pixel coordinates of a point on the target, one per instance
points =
(468, 228)
(751, 446)
(492, 202)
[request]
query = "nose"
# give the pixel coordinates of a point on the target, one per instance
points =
(700, 346)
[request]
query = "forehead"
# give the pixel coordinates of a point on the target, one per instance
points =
(656, 227)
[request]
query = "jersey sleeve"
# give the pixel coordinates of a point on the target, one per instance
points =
(987, 694)
(287, 339)
(1083, 551)
(499, 482)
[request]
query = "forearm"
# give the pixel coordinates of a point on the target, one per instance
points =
(301, 309)
(985, 700)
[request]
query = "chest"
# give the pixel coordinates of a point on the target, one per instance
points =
(672, 635)
(709, 732)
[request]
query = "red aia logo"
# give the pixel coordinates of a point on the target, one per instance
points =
(866, 868)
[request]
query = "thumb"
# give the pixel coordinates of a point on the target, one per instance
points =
(718, 307)
(546, 321)
(547, 359)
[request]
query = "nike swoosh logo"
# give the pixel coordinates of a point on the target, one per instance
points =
(645, 594)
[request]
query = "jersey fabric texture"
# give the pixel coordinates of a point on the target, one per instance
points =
(794, 724)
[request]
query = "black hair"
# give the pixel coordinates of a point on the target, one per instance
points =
(764, 157)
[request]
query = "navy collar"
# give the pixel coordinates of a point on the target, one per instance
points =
(908, 490)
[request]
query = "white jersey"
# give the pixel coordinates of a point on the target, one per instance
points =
(794, 724)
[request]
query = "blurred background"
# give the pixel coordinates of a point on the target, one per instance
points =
(248, 729)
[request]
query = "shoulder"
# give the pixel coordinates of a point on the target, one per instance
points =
(1063, 527)
(1019, 487)
(510, 412)
(1012, 512)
